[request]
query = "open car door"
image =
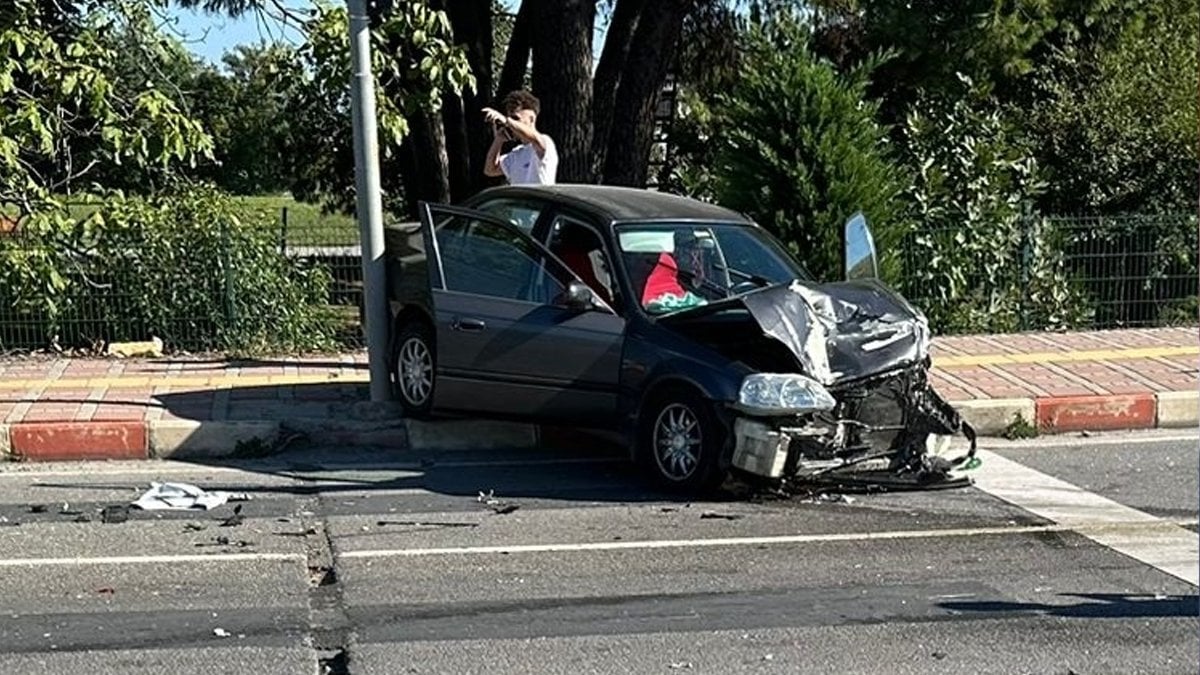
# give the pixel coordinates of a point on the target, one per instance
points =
(517, 334)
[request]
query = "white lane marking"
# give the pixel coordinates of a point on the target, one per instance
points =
(151, 559)
(1166, 547)
(734, 541)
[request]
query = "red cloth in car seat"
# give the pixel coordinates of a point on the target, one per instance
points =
(662, 280)
(581, 264)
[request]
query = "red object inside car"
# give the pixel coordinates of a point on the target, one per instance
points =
(662, 280)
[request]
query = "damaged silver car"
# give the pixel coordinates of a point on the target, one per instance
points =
(683, 326)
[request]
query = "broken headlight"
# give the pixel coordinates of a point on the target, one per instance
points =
(783, 394)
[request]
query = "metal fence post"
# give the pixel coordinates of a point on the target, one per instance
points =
(1026, 263)
(283, 228)
(227, 263)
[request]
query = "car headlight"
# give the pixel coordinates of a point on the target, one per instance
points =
(783, 394)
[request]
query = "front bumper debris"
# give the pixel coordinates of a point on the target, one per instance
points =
(833, 448)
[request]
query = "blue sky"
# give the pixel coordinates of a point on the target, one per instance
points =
(210, 36)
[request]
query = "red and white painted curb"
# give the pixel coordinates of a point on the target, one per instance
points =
(60, 441)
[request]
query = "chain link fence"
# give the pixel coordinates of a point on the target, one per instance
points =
(1049, 273)
(1056, 273)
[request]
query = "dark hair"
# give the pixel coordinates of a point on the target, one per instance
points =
(520, 100)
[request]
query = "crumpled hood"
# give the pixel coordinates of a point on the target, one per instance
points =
(839, 331)
(842, 330)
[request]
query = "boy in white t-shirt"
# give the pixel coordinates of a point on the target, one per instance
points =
(535, 160)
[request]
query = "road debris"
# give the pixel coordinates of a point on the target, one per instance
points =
(682, 665)
(236, 519)
(106, 591)
(498, 506)
(225, 541)
(193, 527)
(38, 508)
(222, 633)
(116, 513)
(939, 655)
(713, 515)
(182, 496)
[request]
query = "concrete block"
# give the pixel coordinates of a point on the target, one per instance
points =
(1176, 409)
(70, 441)
(470, 435)
(991, 417)
(189, 438)
(1096, 413)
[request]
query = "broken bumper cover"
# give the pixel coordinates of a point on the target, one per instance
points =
(893, 417)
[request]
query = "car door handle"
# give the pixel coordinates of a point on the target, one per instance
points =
(468, 325)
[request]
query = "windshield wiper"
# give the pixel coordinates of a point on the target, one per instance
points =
(757, 279)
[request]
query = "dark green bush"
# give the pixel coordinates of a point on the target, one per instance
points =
(798, 149)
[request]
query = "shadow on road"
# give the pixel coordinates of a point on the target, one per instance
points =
(1095, 606)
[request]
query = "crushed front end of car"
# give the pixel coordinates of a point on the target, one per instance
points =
(856, 389)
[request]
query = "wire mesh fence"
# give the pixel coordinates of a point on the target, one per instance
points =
(1056, 273)
(1047, 273)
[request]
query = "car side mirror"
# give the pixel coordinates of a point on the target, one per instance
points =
(579, 297)
(860, 259)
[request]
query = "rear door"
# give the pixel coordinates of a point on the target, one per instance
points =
(506, 343)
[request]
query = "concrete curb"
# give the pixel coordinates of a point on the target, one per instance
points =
(993, 417)
(372, 424)
(1176, 410)
(189, 439)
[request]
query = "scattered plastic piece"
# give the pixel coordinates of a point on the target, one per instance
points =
(182, 496)
(222, 633)
(713, 515)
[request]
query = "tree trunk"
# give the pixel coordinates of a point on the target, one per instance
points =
(562, 79)
(426, 176)
(467, 137)
(516, 56)
(641, 82)
(613, 60)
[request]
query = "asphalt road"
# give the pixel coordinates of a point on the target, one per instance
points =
(1064, 559)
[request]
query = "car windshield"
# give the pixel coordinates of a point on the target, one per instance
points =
(675, 266)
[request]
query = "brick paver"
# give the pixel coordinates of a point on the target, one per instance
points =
(47, 389)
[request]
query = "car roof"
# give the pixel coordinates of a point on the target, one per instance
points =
(614, 203)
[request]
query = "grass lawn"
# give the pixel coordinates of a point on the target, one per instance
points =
(306, 224)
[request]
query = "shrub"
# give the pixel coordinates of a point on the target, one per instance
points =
(977, 258)
(188, 266)
(799, 150)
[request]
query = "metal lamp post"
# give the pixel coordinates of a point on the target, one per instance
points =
(370, 203)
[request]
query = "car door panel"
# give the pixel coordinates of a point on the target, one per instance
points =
(514, 356)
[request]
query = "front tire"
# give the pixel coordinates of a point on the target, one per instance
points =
(680, 442)
(414, 369)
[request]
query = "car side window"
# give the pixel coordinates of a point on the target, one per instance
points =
(522, 214)
(580, 247)
(483, 258)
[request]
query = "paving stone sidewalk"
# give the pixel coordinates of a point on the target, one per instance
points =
(967, 370)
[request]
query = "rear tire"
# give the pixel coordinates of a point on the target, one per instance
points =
(680, 442)
(414, 369)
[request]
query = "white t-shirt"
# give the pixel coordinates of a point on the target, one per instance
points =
(522, 166)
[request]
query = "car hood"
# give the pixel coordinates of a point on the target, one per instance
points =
(839, 331)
